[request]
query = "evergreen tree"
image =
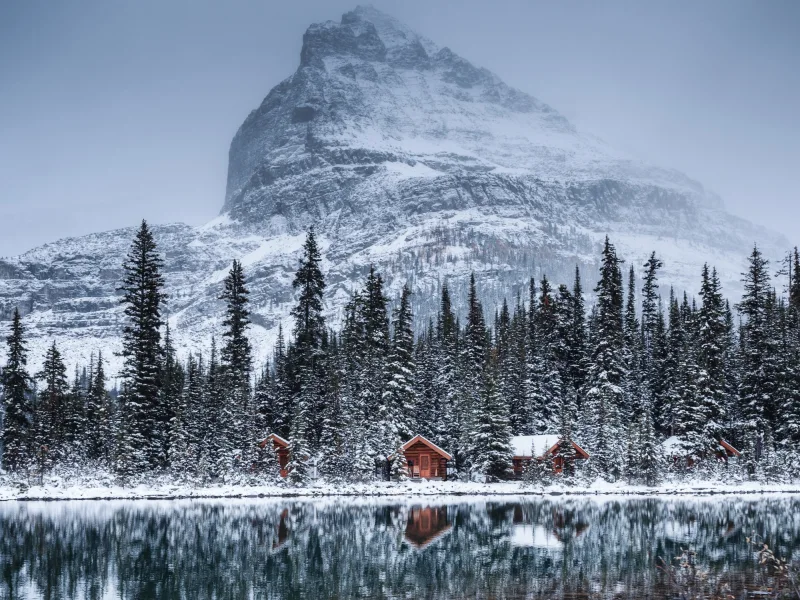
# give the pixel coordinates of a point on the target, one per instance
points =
(309, 332)
(237, 365)
(607, 373)
(711, 347)
(50, 438)
(306, 356)
(473, 358)
(491, 455)
(651, 462)
(756, 386)
(99, 434)
(140, 442)
(16, 395)
(398, 398)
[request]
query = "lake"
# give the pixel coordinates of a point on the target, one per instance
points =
(447, 547)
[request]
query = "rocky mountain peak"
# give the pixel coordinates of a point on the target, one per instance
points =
(367, 34)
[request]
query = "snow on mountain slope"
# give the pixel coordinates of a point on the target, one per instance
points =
(405, 155)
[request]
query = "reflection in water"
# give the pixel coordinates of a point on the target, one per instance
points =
(340, 548)
(424, 525)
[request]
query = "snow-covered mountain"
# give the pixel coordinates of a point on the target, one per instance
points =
(405, 155)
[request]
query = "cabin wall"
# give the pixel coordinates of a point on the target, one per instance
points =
(414, 457)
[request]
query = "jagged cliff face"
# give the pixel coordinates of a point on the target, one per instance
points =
(380, 123)
(405, 155)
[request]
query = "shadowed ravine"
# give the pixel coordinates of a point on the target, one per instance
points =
(555, 548)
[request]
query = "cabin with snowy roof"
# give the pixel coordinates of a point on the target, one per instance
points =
(544, 447)
(678, 451)
(425, 459)
(281, 447)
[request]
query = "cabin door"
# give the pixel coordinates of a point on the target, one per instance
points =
(425, 466)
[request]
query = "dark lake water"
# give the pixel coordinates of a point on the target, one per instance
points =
(493, 547)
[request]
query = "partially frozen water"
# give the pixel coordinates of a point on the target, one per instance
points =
(493, 547)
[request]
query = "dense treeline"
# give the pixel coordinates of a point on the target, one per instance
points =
(620, 378)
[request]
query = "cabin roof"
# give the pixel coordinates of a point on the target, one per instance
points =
(427, 442)
(278, 439)
(675, 445)
(729, 448)
(524, 446)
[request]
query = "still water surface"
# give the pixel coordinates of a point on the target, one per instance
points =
(556, 547)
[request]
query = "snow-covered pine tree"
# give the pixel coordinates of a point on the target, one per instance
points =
(16, 382)
(171, 390)
(264, 402)
(142, 294)
(73, 418)
(606, 377)
(651, 463)
(519, 412)
(306, 357)
(446, 417)
(710, 343)
(99, 438)
(491, 455)
(566, 449)
(216, 445)
(49, 439)
(307, 353)
(577, 339)
(635, 383)
(543, 386)
(755, 382)
(182, 451)
(236, 367)
(282, 412)
(373, 369)
(474, 354)
(398, 398)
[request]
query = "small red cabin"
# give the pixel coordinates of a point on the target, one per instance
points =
(425, 459)
(540, 447)
(281, 449)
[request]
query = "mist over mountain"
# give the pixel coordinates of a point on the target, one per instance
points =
(404, 155)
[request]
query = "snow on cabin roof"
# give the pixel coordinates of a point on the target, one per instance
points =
(675, 446)
(277, 438)
(524, 444)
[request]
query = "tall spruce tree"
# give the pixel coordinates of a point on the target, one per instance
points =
(237, 366)
(16, 382)
(306, 356)
(606, 378)
(399, 396)
(140, 442)
(755, 385)
(50, 438)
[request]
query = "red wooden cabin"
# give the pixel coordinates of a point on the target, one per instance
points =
(281, 449)
(425, 459)
(540, 447)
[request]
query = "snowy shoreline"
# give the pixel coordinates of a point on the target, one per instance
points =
(378, 490)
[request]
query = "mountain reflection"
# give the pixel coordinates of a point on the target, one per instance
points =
(346, 548)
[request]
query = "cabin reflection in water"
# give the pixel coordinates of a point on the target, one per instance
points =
(426, 525)
(282, 533)
(561, 528)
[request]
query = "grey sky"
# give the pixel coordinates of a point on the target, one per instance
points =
(111, 111)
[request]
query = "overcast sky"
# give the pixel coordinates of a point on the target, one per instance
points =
(111, 111)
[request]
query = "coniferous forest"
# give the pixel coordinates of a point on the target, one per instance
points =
(616, 371)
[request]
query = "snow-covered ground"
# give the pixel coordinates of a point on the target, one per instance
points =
(98, 489)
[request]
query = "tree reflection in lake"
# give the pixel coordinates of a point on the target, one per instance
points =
(347, 548)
